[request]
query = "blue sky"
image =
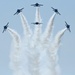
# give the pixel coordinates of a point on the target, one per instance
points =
(66, 8)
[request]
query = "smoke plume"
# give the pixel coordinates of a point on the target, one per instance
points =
(35, 54)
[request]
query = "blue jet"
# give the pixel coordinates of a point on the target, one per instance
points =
(55, 10)
(36, 23)
(5, 27)
(18, 11)
(36, 5)
(67, 26)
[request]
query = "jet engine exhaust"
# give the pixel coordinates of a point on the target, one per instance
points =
(49, 28)
(27, 30)
(15, 55)
(52, 53)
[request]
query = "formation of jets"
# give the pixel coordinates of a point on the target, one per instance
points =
(36, 23)
(36, 5)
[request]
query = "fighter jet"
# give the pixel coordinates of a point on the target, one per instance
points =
(5, 27)
(36, 5)
(55, 10)
(18, 11)
(67, 26)
(36, 23)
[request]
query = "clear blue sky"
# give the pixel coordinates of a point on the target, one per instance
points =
(67, 10)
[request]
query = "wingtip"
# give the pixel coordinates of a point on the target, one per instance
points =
(51, 7)
(8, 22)
(32, 5)
(3, 31)
(23, 8)
(32, 23)
(13, 14)
(59, 14)
(65, 22)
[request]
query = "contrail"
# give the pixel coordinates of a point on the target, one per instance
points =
(58, 37)
(27, 30)
(46, 35)
(16, 37)
(52, 53)
(37, 30)
(34, 53)
(15, 56)
(45, 45)
(49, 27)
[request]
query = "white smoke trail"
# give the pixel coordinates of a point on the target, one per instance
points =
(45, 41)
(15, 55)
(37, 30)
(16, 37)
(34, 62)
(34, 54)
(27, 30)
(37, 15)
(48, 30)
(58, 37)
(52, 53)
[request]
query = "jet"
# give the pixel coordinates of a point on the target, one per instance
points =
(37, 23)
(67, 26)
(5, 27)
(55, 10)
(36, 5)
(18, 11)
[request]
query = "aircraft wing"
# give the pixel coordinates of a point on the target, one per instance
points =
(22, 8)
(40, 5)
(15, 13)
(66, 22)
(59, 13)
(40, 23)
(69, 29)
(32, 4)
(53, 8)
(3, 31)
(33, 23)
(7, 23)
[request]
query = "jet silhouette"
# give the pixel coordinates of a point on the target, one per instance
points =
(37, 23)
(18, 11)
(36, 5)
(55, 10)
(67, 26)
(5, 27)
